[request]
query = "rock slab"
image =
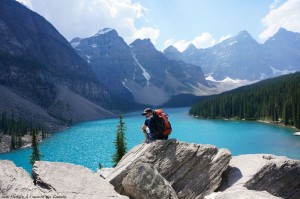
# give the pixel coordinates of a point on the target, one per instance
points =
(72, 181)
(241, 193)
(144, 182)
(192, 170)
(278, 175)
(53, 180)
(16, 182)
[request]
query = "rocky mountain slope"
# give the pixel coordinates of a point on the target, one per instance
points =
(138, 71)
(282, 51)
(162, 169)
(241, 57)
(39, 67)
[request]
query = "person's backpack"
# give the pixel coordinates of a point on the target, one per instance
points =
(164, 127)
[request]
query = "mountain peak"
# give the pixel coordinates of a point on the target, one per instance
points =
(105, 31)
(191, 47)
(282, 30)
(143, 43)
(170, 49)
(244, 34)
(76, 39)
(75, 42)
(284, 34)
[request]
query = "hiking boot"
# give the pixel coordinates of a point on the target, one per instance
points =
(147, 141)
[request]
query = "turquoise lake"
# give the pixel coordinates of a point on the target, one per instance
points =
(91, 143)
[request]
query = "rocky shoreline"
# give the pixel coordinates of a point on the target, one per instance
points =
(277, 124)
(163, 169)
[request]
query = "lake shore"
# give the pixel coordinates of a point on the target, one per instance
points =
(5, 144)
(278, 124)
(269, 122)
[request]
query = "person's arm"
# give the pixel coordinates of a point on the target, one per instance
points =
(144, 127)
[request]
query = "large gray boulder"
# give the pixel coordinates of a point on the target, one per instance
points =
(53, 180)
(72, 181)
(144, 182)
(192, 170)
(16, 182)
(277, 175)
(280, 177)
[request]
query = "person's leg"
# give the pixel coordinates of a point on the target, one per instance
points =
(146, 136)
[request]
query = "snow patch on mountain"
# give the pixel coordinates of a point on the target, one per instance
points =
(94, 45)
(219, 86)
(124, 84)
(75, 44)
(145, 73)
(228, 79)
(209, 77)
(133, 76)
(103, 31)
(188, 76)
(88, 59)
(232, 43)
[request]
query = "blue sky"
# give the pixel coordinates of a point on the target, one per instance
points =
(178, 22)
(185, 20)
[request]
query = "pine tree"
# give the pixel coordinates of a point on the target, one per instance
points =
(13, 142)
(120, 144)
(4, 122)
(36, 155)
(19, 143)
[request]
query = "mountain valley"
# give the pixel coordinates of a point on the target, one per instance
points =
(47, 80)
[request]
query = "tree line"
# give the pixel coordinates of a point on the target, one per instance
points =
(17, 127)
(276, 99)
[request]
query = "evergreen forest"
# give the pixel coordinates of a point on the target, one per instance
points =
(276, 100)
(17, 128)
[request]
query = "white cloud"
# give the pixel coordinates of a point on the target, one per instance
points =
(27, 3)
(168, 43)
(181, 45)
(225, 37)
(84, 18)
(205, 40)
(145, 32)
(286, 16)
(274, 4)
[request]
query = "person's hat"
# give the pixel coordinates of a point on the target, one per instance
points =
(147, 110)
